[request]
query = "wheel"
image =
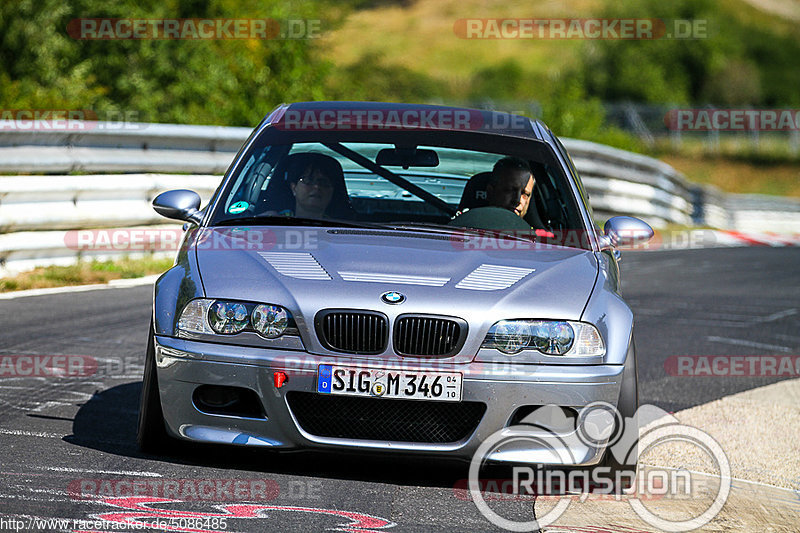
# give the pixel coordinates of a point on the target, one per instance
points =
(627, 406)
(151, 434)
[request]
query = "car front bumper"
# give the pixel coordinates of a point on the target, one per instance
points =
(183, 365)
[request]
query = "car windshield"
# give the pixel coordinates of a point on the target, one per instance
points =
(427, 187)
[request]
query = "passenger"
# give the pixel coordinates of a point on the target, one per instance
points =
(511, 185)
(317, 184)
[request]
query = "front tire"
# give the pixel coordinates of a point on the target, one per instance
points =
(627, 406)
(151, 434)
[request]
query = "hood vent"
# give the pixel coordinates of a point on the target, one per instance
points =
(300, 265)
(493, 277)
(394, 278)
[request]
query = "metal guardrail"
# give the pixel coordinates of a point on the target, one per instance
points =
(126, 147)
(73, 202)
(620, 182)
(758, 212)
(167, 156)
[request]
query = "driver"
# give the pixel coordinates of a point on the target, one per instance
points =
(511, 185)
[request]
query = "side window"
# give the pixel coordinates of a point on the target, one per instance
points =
(578, 181)
(246, 192)
(235, 194)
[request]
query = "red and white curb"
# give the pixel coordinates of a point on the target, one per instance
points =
(700, 239)
(741, 238)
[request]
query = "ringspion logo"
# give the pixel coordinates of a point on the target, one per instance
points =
(599, 428)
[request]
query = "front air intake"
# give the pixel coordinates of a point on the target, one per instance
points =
(355, 332)
(428, 336)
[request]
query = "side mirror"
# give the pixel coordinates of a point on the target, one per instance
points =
(180, 204)
(625, 231)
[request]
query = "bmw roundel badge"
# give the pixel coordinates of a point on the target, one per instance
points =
(392, 297)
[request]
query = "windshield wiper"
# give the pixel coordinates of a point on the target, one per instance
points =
(444, 228)
(274, 220)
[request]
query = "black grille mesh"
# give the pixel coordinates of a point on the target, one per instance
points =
(382, 419)
(426, 336)
(354, 332)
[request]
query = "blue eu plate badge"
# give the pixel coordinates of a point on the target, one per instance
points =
(324, 379)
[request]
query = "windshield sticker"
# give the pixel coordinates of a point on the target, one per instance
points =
(238, 207)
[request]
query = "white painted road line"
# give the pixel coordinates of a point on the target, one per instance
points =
(749, 344)
(777, 316)
(20, 433)
(89, 471)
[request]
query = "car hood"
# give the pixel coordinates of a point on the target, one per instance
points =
(478, 280)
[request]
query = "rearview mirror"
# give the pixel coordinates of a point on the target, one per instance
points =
(407, 157)
(625, 231)
(180, 204)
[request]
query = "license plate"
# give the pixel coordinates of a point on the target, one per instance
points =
(383, 383)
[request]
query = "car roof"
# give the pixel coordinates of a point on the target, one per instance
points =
(386, 116)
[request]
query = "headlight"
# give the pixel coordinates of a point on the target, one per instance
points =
(510, 336)
(270, 320)
(228, 317)
(223, 317)
(550, 337)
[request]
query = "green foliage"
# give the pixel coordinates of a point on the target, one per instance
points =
(371, 79)
(227, 81)
(748, 59)
(565, 106)
(506, 81)
(737, 63)
(569, 112)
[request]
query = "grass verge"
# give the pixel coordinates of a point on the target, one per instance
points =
(85, 273)
(780, 179)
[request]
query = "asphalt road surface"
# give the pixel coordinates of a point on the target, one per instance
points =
(68, 451)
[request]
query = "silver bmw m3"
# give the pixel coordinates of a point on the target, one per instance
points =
(404, 278)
